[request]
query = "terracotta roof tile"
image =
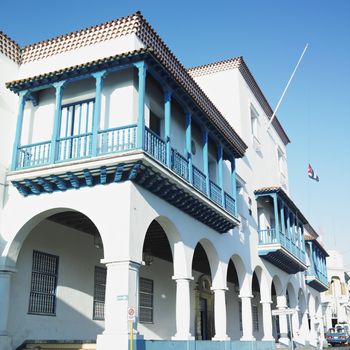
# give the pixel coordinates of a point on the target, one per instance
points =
(9, 48)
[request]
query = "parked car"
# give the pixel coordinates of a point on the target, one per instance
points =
(340, 334)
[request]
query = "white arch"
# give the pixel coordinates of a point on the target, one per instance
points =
(265, 292)
(23, 228)
(216, 267)
(293, 301)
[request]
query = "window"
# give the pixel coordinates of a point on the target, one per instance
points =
(146, 300)
(255, 318)
(240, 316)
(154, 123)
(254, 121)
(76, 130)
(99, 293)
(42, 299)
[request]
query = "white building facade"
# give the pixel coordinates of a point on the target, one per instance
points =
(335, 300)
(132, 184)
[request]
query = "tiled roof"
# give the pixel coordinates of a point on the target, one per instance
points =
(78, 39)
(283, 195)
(23, 84)
(9, 48)
(238, 63)
(141, 28)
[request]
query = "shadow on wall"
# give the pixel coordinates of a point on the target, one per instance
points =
(77, 258)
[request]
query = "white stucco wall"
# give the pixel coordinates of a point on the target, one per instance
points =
(75, 286)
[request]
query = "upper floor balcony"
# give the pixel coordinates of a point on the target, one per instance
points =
(125, 118)
(316, 274)
(281, 231)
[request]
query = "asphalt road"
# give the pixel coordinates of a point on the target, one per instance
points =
(338, 347)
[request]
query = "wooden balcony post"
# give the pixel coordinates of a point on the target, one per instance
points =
(99, 76)
(189, 145)
(167, 126)
(233, 181)
(142, 70)
(59, 86)
(205, 158)
(283, 226)
(17, 141)
(219, 163)
(275, 208)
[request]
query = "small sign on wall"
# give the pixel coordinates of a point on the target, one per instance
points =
(131, 313)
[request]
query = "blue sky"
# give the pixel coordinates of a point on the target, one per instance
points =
(270, 35)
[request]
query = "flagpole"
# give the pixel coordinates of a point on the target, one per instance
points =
(286, 88)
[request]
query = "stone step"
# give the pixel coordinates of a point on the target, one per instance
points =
(57, 345)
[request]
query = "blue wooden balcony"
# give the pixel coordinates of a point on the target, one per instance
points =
(316, 274)
(115, 141)
(282, 245)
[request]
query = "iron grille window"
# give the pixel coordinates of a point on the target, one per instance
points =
(240, 316)
(255, 318)
(99, 293)
(42, 299)
(146, 300)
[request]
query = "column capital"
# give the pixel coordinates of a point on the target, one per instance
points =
(59, 84)
(131, 263)
(245, 296)
(100, 74)
(215, 289)
(167, 95)
(141, 66)
(180, 278)
(23, 93)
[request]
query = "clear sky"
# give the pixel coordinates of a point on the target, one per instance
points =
(270, 35)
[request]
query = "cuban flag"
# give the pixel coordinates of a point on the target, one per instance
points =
(312, 174)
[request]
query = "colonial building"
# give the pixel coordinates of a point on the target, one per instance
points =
(336, 299)
(136, 185)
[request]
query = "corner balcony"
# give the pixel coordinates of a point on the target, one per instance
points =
(282, 245)
(117, 157)
(316, 274)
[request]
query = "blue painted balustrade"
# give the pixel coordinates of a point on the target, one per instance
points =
(215, 192)
(33, 155)
(116, 140)
(270, 236)
(179, 164)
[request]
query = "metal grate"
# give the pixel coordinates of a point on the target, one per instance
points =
(255, 318)
(99, 293)
(42, 299)
(146, 300)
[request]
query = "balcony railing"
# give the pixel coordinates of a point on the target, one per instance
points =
(116, 140)
(314, 272)
(269, 236)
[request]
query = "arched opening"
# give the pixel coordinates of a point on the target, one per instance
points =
(157, 290)
(204, 300)
(257, 317)
(276, 292)
(58, 291)
(234, 305)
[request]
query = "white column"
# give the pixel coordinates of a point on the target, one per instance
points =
(313, 332)
(282, 304)
(304, 327)
(247, 318)
(122, 286)
(5, 288)
(183, 309)
(220, 315)
(295, 323)
(267, 320)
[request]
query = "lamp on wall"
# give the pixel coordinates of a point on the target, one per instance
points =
(147, 257)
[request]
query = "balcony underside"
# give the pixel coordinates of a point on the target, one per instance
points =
(316, 284)
(144, 172)
(281, 258)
